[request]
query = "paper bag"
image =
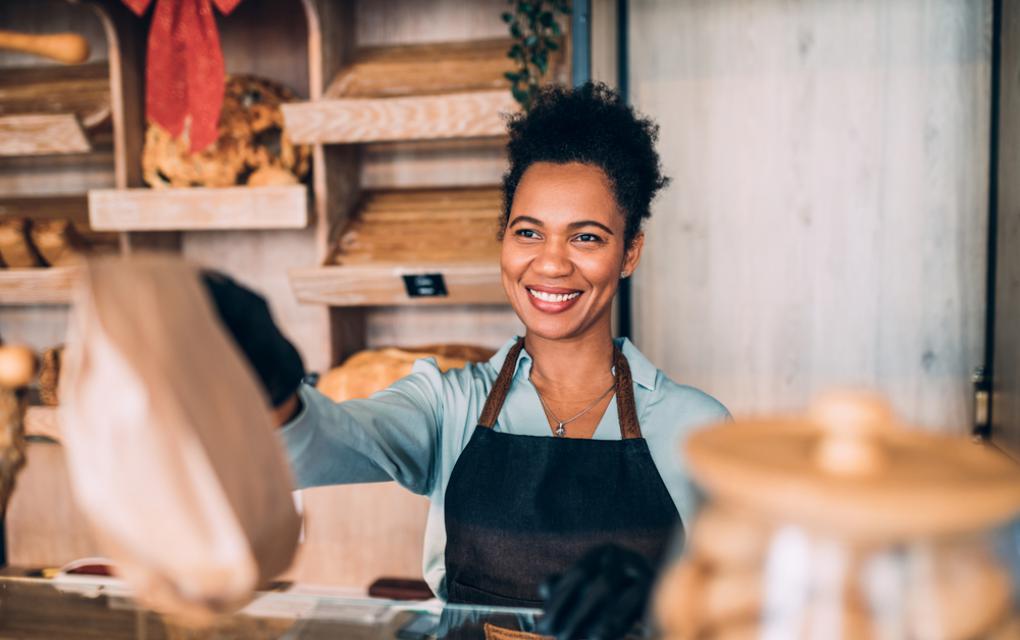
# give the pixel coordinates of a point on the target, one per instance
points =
(169, 443)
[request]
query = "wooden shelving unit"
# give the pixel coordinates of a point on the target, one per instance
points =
(272, 207)
(37, 286)
(416, 92)
(397, 234)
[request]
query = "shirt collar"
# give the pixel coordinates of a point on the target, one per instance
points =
(641, 369)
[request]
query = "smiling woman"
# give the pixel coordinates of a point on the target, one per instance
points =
(558, 455)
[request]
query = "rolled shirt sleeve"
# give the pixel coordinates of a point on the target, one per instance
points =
(393, 435)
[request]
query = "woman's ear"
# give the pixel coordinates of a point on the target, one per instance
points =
(633, 255)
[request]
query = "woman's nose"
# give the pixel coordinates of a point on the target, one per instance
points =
(553, 261)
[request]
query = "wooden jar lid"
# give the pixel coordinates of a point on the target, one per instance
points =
(849, 469)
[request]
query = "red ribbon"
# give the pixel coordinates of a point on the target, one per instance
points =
(184, 72)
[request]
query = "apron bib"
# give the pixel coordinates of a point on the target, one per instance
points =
(521, 508)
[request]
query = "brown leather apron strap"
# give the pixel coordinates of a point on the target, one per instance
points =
(625, 407)
(494, 402)
(626, 410)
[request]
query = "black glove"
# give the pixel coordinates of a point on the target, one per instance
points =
(246, 315)
(599, 598)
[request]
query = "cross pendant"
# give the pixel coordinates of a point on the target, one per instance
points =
(560, 430)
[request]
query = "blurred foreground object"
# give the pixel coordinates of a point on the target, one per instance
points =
(170, 447)
(373, 370)
(17, 368)
(69, 48)
(843, 524)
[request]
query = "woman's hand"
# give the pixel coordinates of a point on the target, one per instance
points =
(599, 598)
(246, 316)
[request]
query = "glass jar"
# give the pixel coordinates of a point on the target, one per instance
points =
(845, 523)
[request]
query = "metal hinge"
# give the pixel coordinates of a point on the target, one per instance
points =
(982, 401)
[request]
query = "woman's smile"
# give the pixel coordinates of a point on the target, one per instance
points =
(552, 299)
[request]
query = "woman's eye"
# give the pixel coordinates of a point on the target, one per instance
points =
(526, 233)
(589, 237)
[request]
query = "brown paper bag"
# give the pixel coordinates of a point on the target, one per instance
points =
(169, 442)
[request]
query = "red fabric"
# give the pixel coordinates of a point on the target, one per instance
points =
(184, 72)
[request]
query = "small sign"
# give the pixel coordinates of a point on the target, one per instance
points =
(425, 285)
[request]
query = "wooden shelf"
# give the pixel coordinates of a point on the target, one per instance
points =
(40, 134)
(369, 285)
(53, 110)
(407, 232)
(412, 92)
(42, 421)
(476, 114)
(71, 207)
(199, 208)
(42, 285)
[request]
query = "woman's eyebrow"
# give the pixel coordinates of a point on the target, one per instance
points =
(528, 219)
(592, 223)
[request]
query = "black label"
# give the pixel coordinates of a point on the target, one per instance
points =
(425, 285)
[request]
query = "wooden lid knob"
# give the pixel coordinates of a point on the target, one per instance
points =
(851, 425)
(17, 366)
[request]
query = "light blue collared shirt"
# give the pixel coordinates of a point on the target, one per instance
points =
(414, 431)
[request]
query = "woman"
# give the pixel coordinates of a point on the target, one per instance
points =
(566, 440)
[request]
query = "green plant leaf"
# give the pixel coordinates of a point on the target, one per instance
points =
(531, 40)
(512, 76)
(556, 28)
(507, 17)
(521, 96)
(551, 44)
(515, 31)
(547, 19)
(540, 61)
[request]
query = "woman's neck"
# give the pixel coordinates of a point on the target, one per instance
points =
(572, 363)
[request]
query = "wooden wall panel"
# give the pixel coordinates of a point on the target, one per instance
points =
(44, 527)
(260, 260)
(827, 219)
(381, 22)
(358, 533)
(1006, 380)
(267, 38)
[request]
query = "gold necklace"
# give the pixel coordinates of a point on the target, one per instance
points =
(561, 430)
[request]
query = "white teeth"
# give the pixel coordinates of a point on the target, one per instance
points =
(554, 297)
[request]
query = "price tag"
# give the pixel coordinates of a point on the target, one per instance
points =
(425, 285)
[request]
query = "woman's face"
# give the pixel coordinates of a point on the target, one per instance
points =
(563, 250)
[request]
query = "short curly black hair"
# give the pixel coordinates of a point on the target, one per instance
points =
(593, 125)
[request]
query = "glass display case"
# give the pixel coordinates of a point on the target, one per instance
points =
(36, 608)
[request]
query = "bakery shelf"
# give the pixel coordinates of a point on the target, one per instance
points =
(370, 285)
(394, 233)
(199, 208)
(54, 110)
(39, 285)
(42, 421)
(38, 134)
(71, 206)
(411, 92)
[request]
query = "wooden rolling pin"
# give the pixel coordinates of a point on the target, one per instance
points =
(69, 48)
